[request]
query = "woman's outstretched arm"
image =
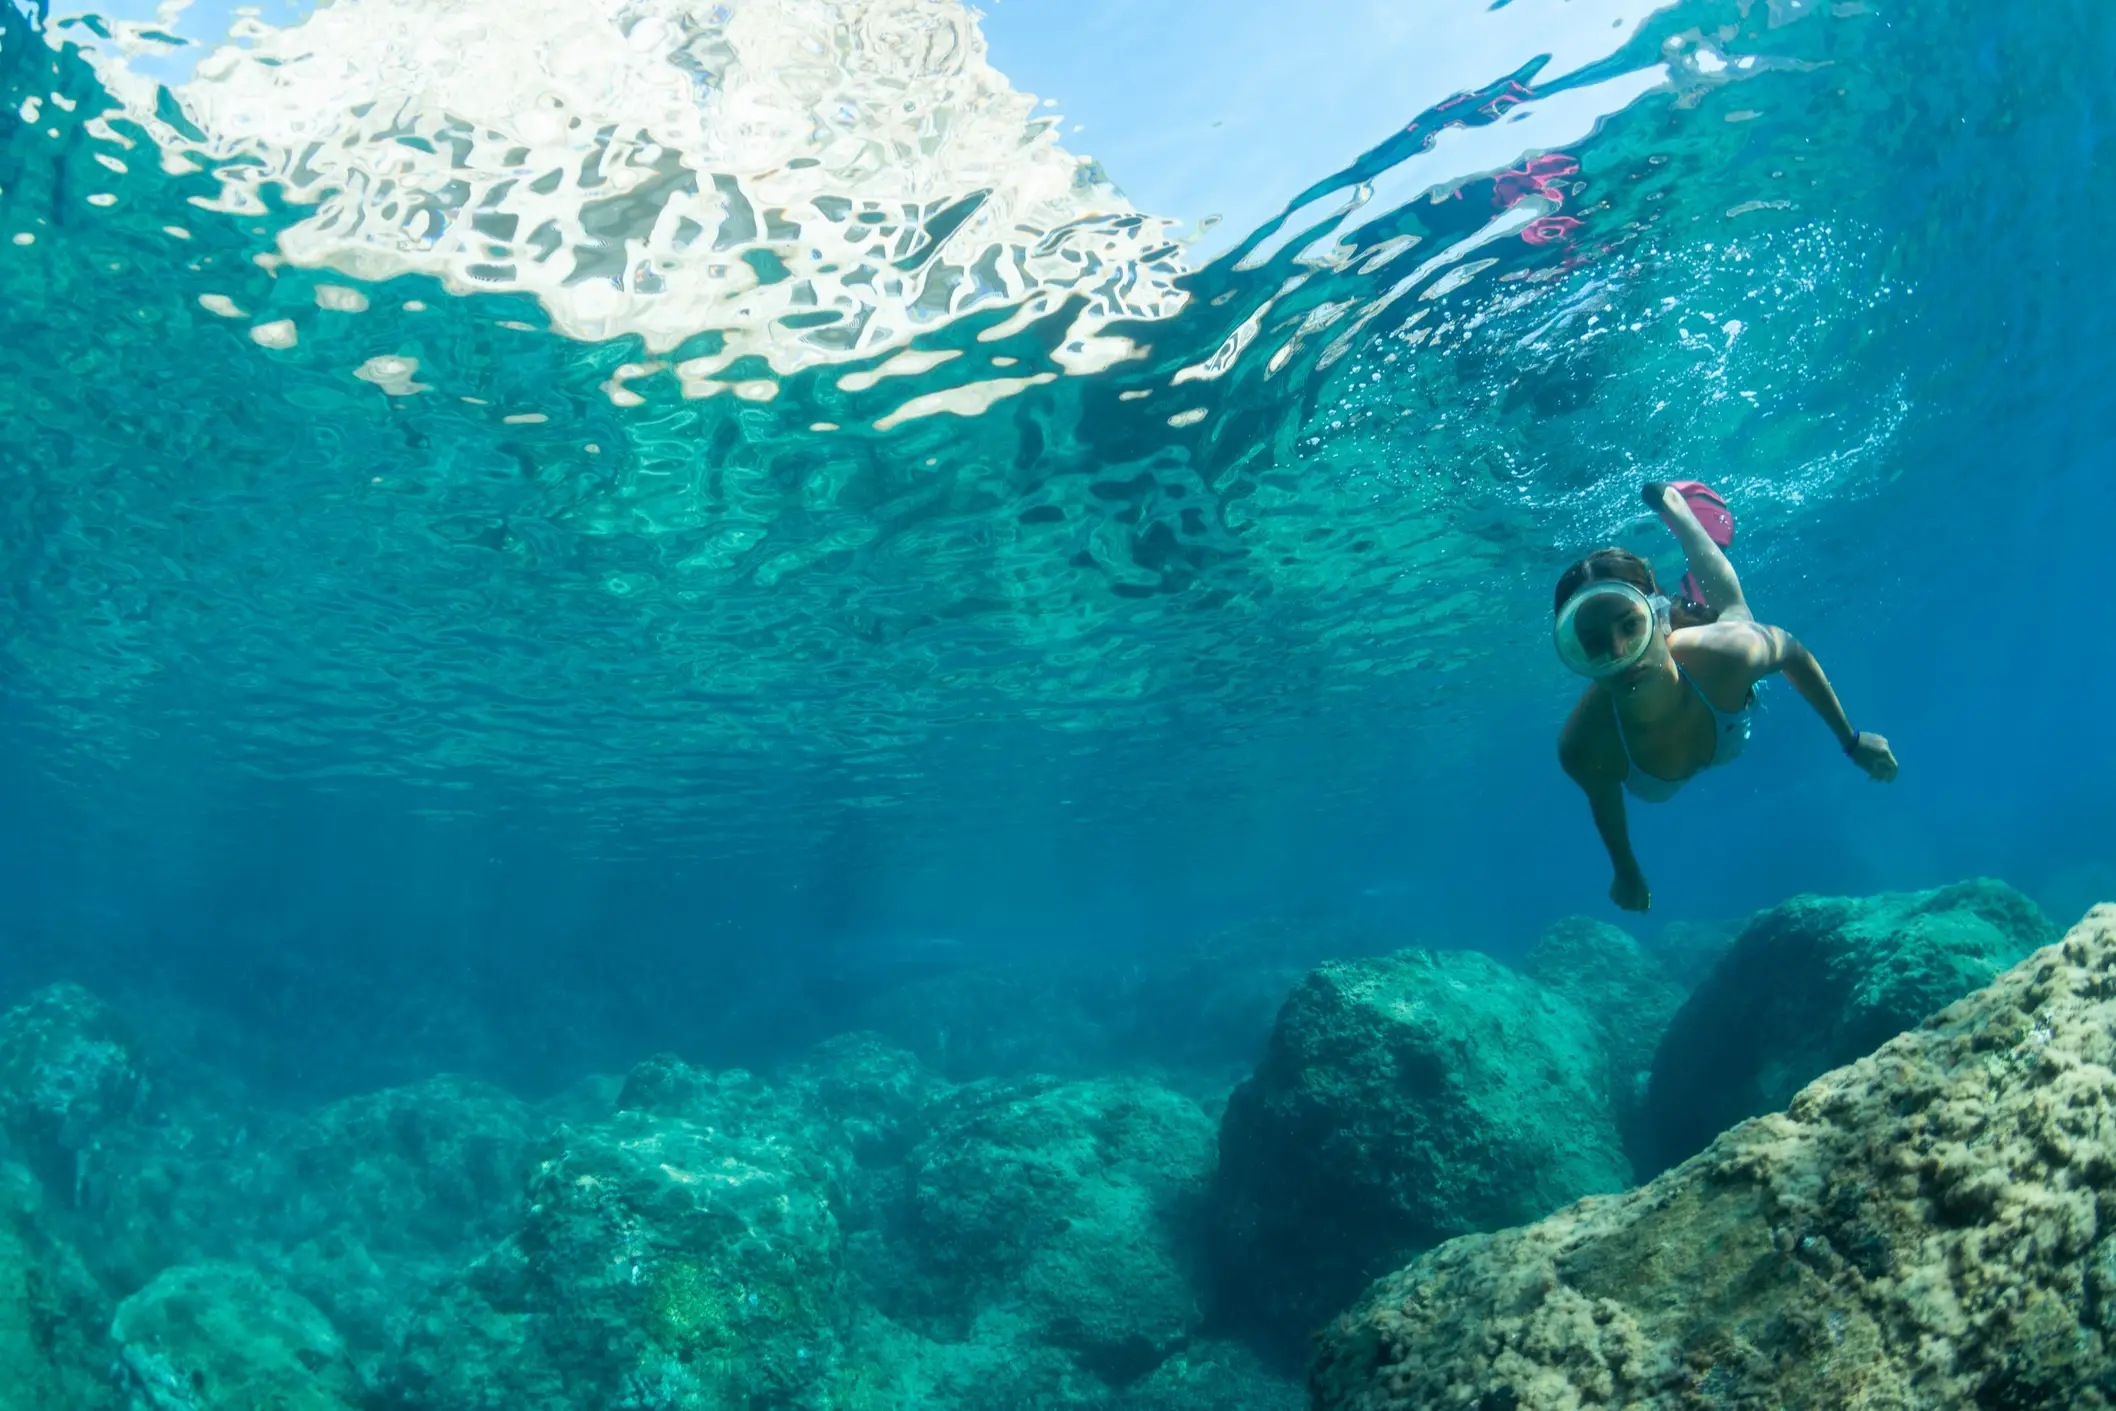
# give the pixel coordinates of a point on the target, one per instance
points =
(1773, 649)
(1605, 796)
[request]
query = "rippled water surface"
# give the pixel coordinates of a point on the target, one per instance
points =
(673, 414)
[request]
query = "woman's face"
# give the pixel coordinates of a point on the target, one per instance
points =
(1617, 627)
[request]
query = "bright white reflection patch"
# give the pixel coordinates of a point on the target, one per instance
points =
(815, 179)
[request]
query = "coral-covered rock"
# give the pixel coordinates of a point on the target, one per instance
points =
(1813, 984)
(1622, 990)
(1927, 1227)
(661, 1263)
(226, 1335)
(1402, 1100)
(52, 1315)
(1062, 1212)
(69, 1074)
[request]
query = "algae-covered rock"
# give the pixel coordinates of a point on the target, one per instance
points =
(1927, 1227)
(661, 1263)
(226, 1337)
(69, 1073)
(875, 1096)
(368, 1204)
(1061, 1213)
(1622, 990)
(1402, 1100)
(1813, 984)
(52, 1315)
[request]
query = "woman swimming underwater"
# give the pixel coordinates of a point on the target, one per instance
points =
(1671, 686)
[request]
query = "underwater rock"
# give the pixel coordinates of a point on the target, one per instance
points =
(1926, 1227)
(888, 1367)
(1813, 984)
(1214, 1376)
(68, 1074)
(1056, 1214)
(52, 1314)
(1403, 1100)
(226, 1337)
(876, 1097)
(1210, 1005)
(731, 1099)
(660, 1262)
(1622, 990)
(369, 1204)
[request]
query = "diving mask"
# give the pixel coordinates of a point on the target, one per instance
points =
(1608, 626)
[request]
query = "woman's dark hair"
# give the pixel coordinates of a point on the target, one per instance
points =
(1630, 568)
(1606, 563)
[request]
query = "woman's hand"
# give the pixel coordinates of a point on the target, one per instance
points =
(1871, 753)
(1629, 891)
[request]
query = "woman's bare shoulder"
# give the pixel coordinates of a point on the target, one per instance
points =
(1725, 657)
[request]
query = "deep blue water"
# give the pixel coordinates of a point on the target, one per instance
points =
(322, 705)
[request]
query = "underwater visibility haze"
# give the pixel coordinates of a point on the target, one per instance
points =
(873, 596)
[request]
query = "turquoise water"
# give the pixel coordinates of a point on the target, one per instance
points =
(491, 587)
(1060, 672)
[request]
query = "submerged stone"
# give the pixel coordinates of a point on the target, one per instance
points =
(1214, 1376)
(1813, 984)
(1403, 1100)
(372, 1202)
(1059, 1215)
(52, 1315)
(660, 1262)
(210, 1336)
(69, 1074)
(1926, 1227)
(1623, 991)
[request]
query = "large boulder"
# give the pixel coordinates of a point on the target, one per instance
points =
(662, 1260)
(211, 1336)
(1057, 1215)
(1623, 990)
(52, 1314)
(370, 1204)
(1813, 984)
(1402, 1100)
(1927, 1227)
(1206, 1007)
(876, 1096)
(70, 1075)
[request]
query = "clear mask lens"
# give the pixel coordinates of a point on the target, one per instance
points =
(1608, 627)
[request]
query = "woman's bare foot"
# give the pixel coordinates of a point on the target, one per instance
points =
(1667, 502)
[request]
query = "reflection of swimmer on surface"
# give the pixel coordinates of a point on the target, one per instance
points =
(1672, 686)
